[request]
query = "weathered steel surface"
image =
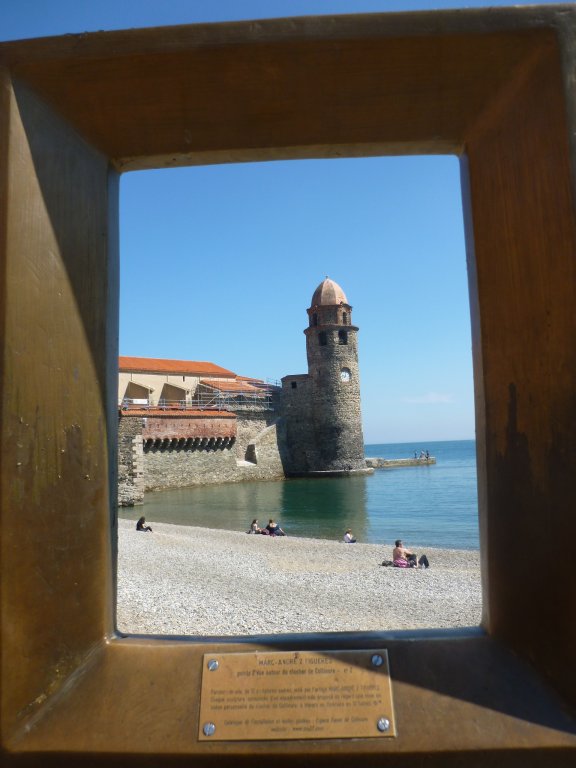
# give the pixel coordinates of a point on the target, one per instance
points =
(495, 87)
(307, 87)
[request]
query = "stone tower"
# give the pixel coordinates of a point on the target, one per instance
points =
(332, 352)
(322, 408)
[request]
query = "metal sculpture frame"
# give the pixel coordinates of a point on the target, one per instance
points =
(495, 88)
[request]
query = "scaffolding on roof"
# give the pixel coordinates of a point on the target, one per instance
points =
(208, 401)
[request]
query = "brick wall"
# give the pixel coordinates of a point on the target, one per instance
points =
(179, 427)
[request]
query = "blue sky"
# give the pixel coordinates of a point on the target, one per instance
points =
(219, 263)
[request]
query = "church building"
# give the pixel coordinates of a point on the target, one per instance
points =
(185, 423)
(321, 409)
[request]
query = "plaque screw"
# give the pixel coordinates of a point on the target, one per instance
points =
(213, 665)
(377, 660)
(383, 724)
(209, 729)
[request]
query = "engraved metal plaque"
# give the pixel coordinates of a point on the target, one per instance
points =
(296, 695)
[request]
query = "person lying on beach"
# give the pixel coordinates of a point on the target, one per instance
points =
(274, 529)
(348, 538)
(254, 527)
(140, 525)
(404, 558)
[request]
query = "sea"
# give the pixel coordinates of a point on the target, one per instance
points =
(432, 505)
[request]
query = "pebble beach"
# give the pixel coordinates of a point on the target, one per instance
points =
(198, 581)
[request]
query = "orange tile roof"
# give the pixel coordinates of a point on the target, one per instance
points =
(231, 386)
(181, 367)
(250, 378)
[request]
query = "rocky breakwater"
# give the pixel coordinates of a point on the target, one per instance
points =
(378, 463)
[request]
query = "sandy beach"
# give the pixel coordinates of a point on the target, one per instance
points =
(199, 581)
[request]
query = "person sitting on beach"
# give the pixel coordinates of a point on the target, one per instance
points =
(274, 529)
(140, 525)
(403, 558)
(254, 527)
(348, 538)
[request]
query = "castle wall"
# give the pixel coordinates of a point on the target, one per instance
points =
(316, 427)
(175, 467)
(250, 424)
(168, 451)
(265, 455)
(130, 462)
(296, 408)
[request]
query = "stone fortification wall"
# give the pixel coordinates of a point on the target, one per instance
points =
(130, 462)
(175, 467)
(176, 452)
(265, 455)
(255, 455)
(296, 409)
(250, 424)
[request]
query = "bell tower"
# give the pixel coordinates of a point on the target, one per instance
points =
(334, 382)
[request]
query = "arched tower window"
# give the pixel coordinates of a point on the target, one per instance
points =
(322, 338)
(314, 319)
(344, 318)
(342, 337)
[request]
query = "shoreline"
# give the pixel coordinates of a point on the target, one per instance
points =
(188, 580)
(138, 510)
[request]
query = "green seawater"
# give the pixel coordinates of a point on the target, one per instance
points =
(432, 505)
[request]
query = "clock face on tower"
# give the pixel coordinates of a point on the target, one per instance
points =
(345, 374)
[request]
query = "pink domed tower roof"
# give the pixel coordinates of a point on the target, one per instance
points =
(328, 293)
